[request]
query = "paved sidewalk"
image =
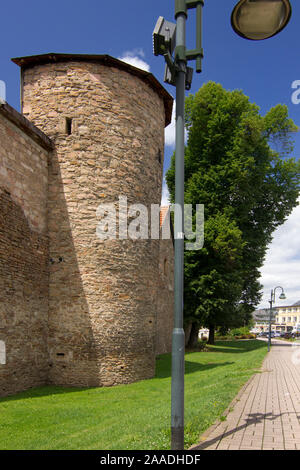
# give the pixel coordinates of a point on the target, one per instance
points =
(266, 412)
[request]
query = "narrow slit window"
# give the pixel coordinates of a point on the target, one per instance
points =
(2, 353)
(69, 126)
(159, 156)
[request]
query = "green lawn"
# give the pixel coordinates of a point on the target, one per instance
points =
(135, 416)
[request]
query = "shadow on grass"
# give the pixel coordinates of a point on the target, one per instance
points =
(163, 362)
(42, 392)
(163, 369)
(237, 347)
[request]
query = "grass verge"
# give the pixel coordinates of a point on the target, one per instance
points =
(135, 416)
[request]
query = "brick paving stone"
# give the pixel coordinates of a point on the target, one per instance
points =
(257, 444)
(290, 447)
(266, 413)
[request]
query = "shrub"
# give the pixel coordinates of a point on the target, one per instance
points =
(240, 331)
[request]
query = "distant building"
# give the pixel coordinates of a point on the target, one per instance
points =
(286, 318)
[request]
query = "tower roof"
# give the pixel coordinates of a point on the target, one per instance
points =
(31, 61)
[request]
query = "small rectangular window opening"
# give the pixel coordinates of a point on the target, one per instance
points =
(2, 353)
(159, 156)
(69, 126)
(60, 354)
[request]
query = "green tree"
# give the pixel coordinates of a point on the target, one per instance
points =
(236, 165)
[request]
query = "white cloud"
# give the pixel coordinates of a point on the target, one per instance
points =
(2, 92)
(170, 130)
(165, 194)
(138, 51)
(282, 264)
(134, 58)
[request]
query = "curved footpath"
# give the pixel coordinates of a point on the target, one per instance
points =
(265, 415)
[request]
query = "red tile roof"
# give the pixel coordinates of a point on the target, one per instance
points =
(162, 215)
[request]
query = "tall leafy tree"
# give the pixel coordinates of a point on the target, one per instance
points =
(236, 164)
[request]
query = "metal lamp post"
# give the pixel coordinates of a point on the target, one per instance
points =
(178, 74)
(271, 301)
(168, 38)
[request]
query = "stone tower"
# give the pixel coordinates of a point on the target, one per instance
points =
(107, 120)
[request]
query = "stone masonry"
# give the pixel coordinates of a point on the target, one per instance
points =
(23, 253)
(95, 305)
(165, 297)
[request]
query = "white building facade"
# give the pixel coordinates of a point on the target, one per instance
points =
(286, 318)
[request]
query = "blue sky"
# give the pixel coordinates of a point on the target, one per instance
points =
(264, 71)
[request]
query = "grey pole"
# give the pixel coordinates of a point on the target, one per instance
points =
(179, 75)
(178, 340)
(282, 296)
(271, 307)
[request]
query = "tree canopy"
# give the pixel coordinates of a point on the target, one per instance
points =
(237, 165)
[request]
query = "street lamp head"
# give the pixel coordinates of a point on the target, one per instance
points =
(282, 296)
(164, 37)
(260, 19)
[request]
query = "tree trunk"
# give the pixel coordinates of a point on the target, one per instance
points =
(193, 339)
(187, 333)
(211, 338)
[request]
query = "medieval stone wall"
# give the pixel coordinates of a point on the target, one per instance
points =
(108, 129)
(165, 301)
(23, 254)
(165, 292)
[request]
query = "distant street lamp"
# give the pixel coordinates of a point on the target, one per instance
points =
(271, 301)
(251, 19)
